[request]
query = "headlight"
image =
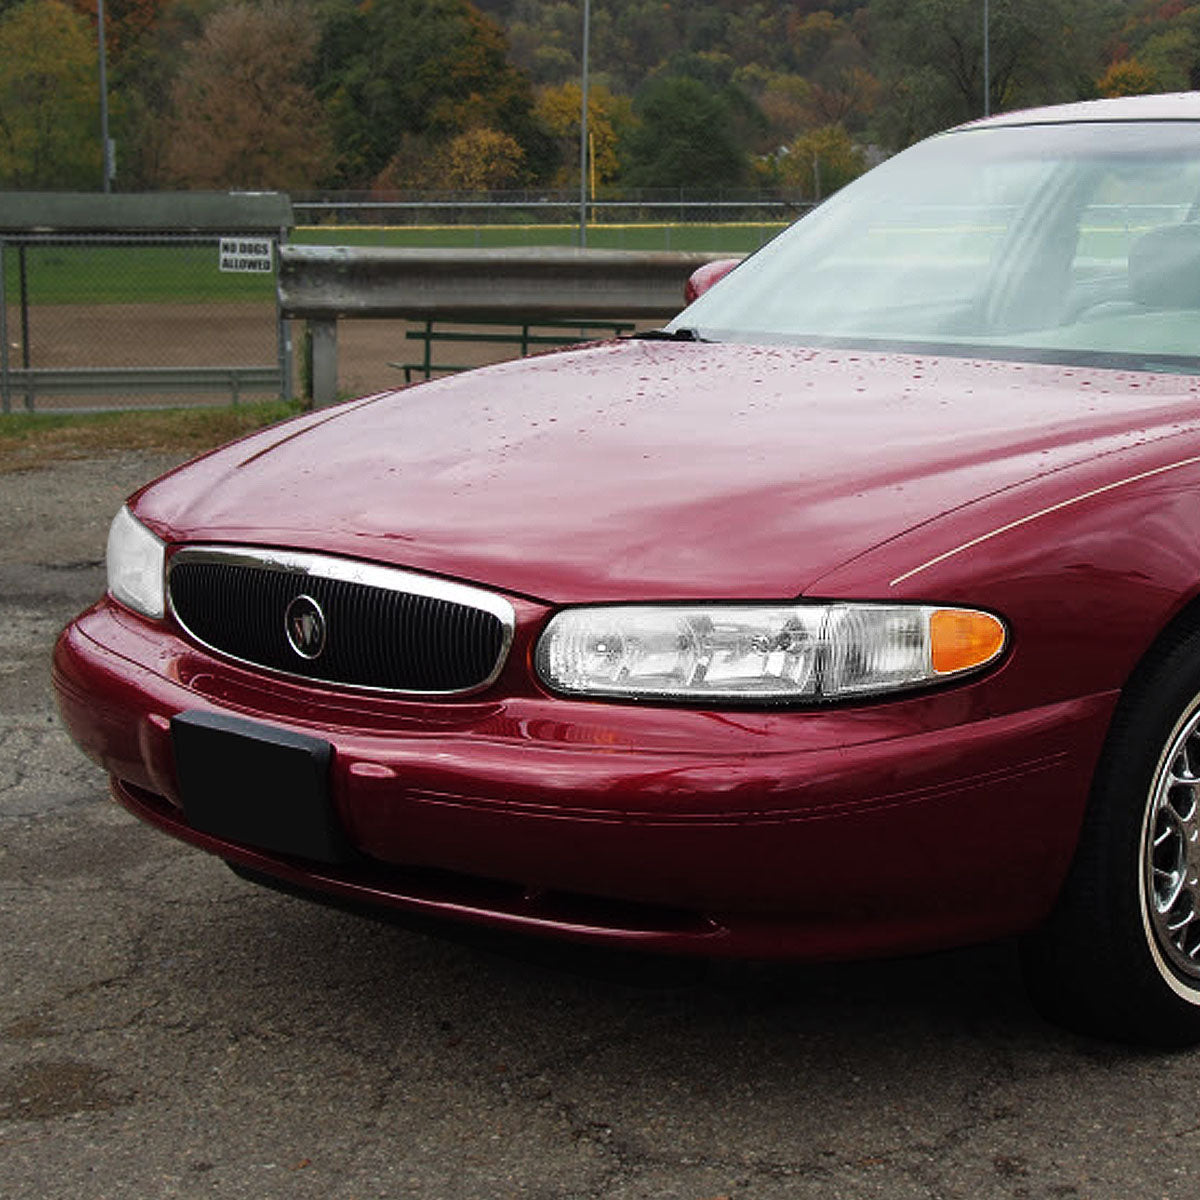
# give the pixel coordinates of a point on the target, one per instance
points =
(762, 653)
(135, 560)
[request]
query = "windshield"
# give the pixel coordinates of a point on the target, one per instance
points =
(1062, 243)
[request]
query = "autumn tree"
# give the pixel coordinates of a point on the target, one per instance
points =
(1128, 77)
(481, 160)
(792, 104)
(148, 51)
(821, 161)
(609, 119)
(843, 86)
(476, 160)
(812, 36)
(1162, 39)
(126, 22)
(785, 100)
(243, 116)
(49, 98)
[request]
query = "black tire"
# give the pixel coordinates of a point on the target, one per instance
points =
(1115, 959)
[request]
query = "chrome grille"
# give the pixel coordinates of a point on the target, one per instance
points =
(382, 628)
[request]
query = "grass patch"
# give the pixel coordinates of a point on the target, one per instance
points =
(730, 238)
(89, 274)
(29, 440)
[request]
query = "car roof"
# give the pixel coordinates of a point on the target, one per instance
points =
(1172, 106)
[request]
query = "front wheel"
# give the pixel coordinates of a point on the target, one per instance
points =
(1120, 955)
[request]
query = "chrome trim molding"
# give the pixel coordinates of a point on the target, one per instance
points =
(345, 570)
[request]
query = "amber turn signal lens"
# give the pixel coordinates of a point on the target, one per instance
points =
(961, 639)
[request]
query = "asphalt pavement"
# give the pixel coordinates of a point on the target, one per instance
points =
(169, 1030)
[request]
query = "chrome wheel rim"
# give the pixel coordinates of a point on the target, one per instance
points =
(1171, 851)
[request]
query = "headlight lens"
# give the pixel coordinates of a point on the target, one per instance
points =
(762, 653)
(135, 561)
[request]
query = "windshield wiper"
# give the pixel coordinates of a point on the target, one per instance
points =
(682, 334)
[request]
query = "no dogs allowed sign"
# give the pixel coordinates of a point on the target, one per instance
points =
(246, 254)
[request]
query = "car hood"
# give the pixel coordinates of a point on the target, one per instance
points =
(653, 470)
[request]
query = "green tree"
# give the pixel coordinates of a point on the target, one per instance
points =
(243, 116)
(49, 99)
(686, 137)
(1173, 56)
(389, 71)
(544, 37)
(929, 53)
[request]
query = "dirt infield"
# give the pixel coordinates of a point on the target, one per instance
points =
(147, 335)
(207, 335)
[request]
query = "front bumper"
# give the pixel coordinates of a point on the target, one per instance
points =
(819, 834)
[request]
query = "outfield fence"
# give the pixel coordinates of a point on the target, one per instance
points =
(125, 321)
(659, 219)
(726, 238)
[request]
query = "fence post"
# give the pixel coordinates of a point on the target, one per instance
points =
(283, 331)
(324, 361)
(5, 402)
(25, 361)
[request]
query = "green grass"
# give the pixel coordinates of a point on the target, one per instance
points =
(83, 274)
(732, 239)
(29, 440)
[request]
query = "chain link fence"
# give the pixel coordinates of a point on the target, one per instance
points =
(734, 221)
(104, 321)
(101, 314)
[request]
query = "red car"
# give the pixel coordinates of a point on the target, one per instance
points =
(856, 612)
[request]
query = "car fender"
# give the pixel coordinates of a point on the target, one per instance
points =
(1105, 554)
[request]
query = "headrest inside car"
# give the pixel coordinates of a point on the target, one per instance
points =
(1164, 267)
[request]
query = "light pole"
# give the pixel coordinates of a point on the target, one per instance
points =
(987, 61)
(105, 154)
(583, 124)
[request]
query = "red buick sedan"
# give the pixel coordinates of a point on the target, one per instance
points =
(855, 612)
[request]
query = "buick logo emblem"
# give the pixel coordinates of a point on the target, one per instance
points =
(304, 624)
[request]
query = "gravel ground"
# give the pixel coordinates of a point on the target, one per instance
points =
(168, 1030)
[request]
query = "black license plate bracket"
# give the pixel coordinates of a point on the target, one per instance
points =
(248, 782)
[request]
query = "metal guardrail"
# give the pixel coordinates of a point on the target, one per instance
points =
(325, 284)
(558, 283)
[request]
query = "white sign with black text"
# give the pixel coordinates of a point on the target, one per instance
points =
(246, 254)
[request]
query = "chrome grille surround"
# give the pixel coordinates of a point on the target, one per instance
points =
(449, 612)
